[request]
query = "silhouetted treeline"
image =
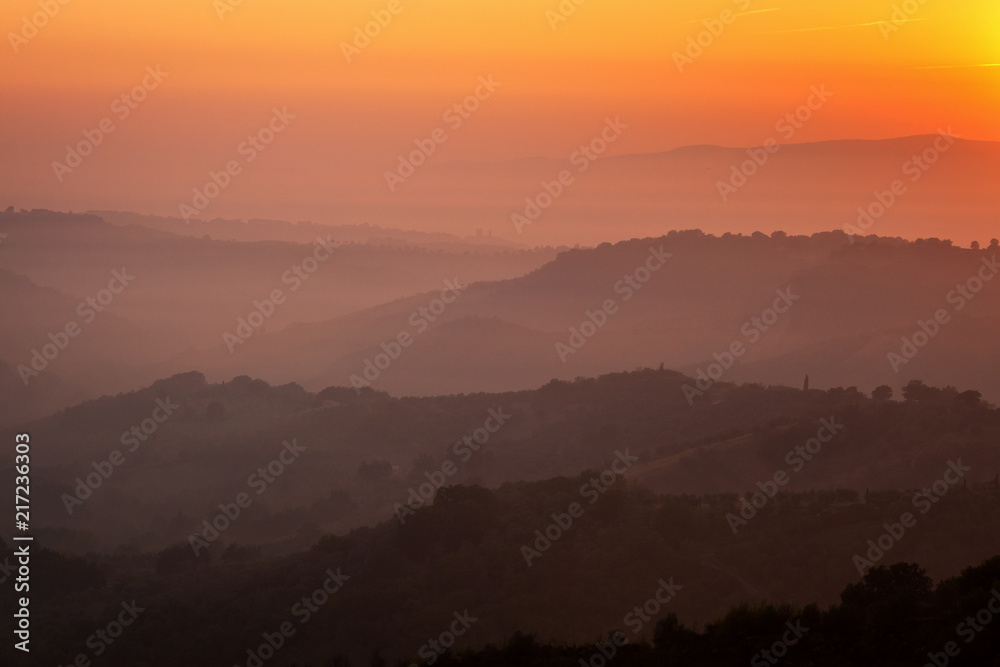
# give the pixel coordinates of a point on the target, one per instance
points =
(366, 454)
(894, 616)
(466, 553)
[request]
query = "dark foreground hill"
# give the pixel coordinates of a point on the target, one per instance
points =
(540, 558)
(145, 469)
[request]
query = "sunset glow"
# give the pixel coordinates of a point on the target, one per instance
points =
(894, 73)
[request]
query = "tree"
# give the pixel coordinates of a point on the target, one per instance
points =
(903, 581)
(994, 243)
(971, 398)
(882, 393)
(975, 245)
(915, 390)
(671, 633)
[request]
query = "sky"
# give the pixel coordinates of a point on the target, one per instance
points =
(561, 68)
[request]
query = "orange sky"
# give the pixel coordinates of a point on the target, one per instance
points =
(607, 58)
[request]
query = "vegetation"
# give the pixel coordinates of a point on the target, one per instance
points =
(464, 552)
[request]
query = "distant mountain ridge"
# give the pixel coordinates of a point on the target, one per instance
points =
(305, 232)
(188, 291)
(854, 304)
(799, 188)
